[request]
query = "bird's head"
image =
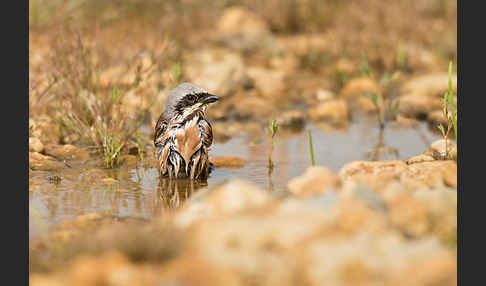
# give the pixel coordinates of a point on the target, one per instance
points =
(186, 99)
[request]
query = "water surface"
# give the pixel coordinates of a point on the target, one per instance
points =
(138, 192)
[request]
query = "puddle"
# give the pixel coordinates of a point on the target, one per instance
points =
(138, 192)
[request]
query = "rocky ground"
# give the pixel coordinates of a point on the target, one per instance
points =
(383, 222)
(371, 223)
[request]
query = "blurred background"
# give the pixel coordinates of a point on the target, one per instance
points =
(343, 80)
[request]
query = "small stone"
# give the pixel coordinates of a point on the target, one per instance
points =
(418, 105)
(66, 152)
(315, 180)
(109, 181)
(227, 162)
(38, 161)
(332, 111)
(359, 87)
(269, 83)
(292, 119)
(35, 145)
(437, 149)
(377, 175)
(437, 117)
(429, 85)
(324, 94)
(419, 159)
(242, 30)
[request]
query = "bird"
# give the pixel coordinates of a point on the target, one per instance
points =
(183, 133)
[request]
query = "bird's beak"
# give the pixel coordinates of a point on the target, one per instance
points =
(209, 98)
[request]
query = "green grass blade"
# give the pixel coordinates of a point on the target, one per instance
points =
(311, 148)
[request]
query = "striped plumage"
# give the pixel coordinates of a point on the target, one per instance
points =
(183, 134)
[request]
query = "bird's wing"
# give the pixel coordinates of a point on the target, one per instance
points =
(160, 130)
(206, 132)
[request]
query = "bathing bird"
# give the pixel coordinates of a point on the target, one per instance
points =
(183, 133)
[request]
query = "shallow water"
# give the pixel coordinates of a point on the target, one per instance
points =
(138, 192)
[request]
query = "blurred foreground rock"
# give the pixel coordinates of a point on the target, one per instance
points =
(239, 234)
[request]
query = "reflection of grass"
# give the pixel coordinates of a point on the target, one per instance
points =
(449, 110)
(273, 131)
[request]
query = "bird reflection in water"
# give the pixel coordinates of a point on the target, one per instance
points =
(173, 192)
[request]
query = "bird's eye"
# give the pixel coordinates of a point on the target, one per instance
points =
(191, 98)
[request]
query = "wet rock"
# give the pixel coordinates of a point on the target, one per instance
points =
(438, 150)
(404, 122)
(241, 29)
(375, 174)
(430, 85)
(38, 161)
(250, 105)
(419, 159)
(269, 83)
(365, 104)
(357, 87)
(437, 117)
(227, 162)
(332, 111)
(43, 127)
(231, 197)
(436, 174)
(293, 120)
(66, 152)
(315, 180)
(418, 106)
(35, 145)
(219, 71)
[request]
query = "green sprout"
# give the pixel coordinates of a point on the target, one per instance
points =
(273, 131)
(115, 95)
(364, 66)
(311, 148)
(449, 110)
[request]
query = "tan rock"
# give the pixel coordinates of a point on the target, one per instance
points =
(35, 145)
(66, 152)
(227, 162)
(332, 111)
(269, 83)
(435, 174)
(437, 117)
(418, 105)
(38, 161)
(217, 70)
(357, 87)
(324, 94)
(292, 119)
(375, 174)
(429, 85)
(419, 159)
(438, 151)
(315, 180)
(241, 29)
